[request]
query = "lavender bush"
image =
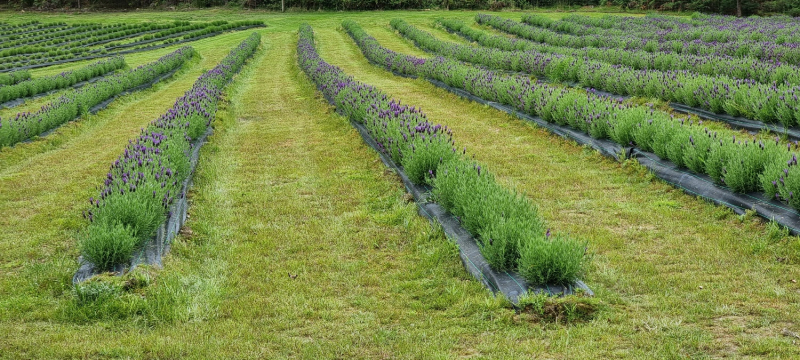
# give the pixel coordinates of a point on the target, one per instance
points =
(14, 77)
(767, 72)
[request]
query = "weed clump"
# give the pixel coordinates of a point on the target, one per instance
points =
(565, 309)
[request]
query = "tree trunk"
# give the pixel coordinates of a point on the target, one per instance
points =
(282, 6)
(739, 8)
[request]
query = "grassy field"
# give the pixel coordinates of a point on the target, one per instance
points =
(286, 186)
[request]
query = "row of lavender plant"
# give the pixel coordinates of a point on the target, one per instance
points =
(77, 103)
(717, 29)
(144, 181)
(712, 65)
(720, 94)
(779, 21)
(744, 165)
(510, 232)
(7, 29)
(765, 50)
(14, 77)
(663, 29)
(62, 80)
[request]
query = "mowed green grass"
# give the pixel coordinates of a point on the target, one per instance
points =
(286, 186)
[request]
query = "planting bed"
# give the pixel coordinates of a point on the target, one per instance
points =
(546, 69)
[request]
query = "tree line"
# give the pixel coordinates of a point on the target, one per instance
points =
(729, 7)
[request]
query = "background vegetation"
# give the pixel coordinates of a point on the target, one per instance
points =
(729, 7)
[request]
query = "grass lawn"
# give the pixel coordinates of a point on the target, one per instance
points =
(286, 186)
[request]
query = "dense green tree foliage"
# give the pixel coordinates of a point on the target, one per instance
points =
(730, 7)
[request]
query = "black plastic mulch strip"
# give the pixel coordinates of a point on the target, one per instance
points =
(510, 284)
(158, 246)
(126, 51)
(704, 187)
(695, 184)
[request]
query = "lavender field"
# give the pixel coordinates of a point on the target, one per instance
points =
(404, 184)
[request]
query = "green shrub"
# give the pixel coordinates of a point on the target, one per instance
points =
(503, 221)
(552, 260)
(425, 156)
(107, 244)
(140, 212)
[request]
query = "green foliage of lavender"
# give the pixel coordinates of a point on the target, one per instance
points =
(69, 106)
(142, 184)
(14, 77)
(422, 163)
(762, 49)
(503, 221)
(717, 30)
(745, 165)
(554, 259)
(108, 244)
(62, 80)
